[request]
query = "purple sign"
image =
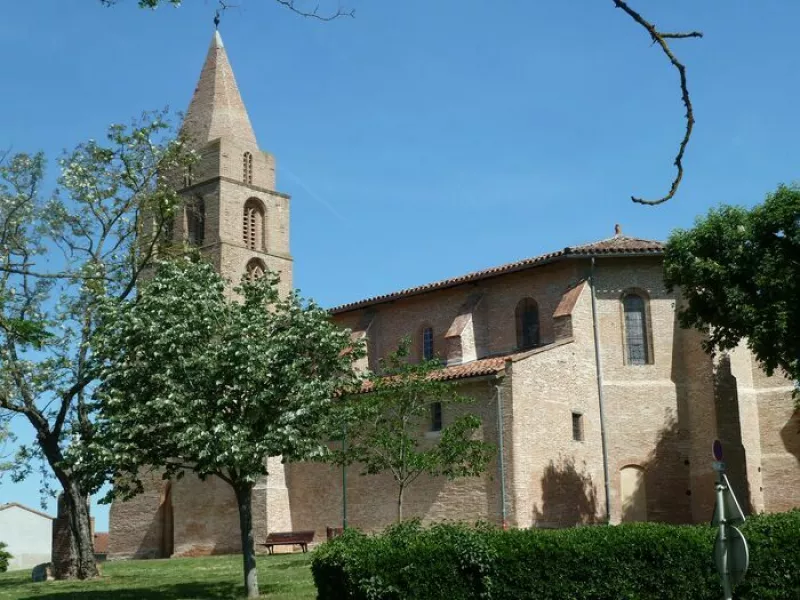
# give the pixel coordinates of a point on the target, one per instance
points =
(717, 450)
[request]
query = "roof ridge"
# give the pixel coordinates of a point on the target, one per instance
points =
(604, 246)
(28, 508)
(620, 236)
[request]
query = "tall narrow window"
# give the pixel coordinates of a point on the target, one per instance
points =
(577, 427)
(168, 228)
(436, 416)
(427, 343)
(253, 225)
(527, 316)
(247, 168)
(636, 347)
(195, 221)
(255, 269)
(188, 176)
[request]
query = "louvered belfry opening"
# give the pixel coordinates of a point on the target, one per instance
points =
(253, 225)
(247, 168)
(255, 269)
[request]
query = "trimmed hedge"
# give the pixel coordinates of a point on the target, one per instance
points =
(638, 561)
(4, 558)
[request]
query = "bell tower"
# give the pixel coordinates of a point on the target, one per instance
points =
(232, 211)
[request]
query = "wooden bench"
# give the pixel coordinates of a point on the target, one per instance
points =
(288, 538)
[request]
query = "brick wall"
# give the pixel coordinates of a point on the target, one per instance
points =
(136, 526)
(315, 490)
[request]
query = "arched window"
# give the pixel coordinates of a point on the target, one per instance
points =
(195, 221)
(253, 225)
(427, 343)
(636, 343)
(527, 316)
(255, 269)
(247, 168)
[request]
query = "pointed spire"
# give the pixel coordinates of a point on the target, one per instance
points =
(216, 109)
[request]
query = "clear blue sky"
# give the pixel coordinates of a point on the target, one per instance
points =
(423, 139)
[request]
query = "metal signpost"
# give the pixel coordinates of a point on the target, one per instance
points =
(731, 554)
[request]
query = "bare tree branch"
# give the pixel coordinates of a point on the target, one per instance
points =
(661, 38)
(315, 14)
(680, 36)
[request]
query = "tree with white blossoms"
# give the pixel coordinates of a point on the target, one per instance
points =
(60, 256)
(196, 379)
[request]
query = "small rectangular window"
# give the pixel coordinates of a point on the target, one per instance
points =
(436, 416)
(577, 427)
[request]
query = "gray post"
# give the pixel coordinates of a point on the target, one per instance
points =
(721, 487)
(500, 455)
(600, 397)
(344, 478)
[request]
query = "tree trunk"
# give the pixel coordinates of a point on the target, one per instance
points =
(400, 504)
(82, 563)
(244, 499)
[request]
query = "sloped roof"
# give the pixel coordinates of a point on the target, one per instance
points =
(491, 365)
(476, 368)
(23, 507)
(216, 109)
(619, 245)
(568, 300)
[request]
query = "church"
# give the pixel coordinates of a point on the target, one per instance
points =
(601, 407)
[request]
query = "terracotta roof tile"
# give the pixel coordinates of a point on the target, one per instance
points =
(568, 300)
(475, 368)
(617, 245)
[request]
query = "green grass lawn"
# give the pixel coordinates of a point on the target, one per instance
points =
(280, 577)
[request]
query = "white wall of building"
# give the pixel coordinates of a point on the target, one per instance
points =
(28, 535)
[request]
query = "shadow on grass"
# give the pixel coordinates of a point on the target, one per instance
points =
(178, 591)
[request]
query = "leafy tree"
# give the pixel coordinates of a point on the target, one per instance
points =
(6, 437)
(197, 380)
(739, 271)
(386, 425)
(59, 258)
(5, 557)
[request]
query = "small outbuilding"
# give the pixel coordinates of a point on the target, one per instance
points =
(28, 533)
